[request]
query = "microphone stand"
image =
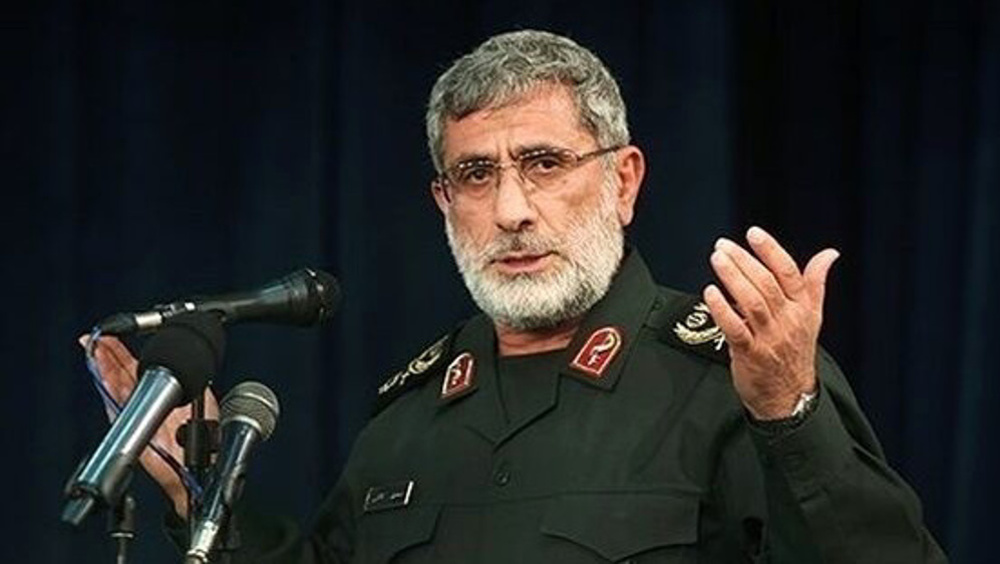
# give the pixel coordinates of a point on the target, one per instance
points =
(121, 526)
(200, 439)
(229, 540)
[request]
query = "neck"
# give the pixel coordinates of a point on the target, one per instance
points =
(516, 342)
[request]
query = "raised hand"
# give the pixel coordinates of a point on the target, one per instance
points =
(773, 324)
(118, 369)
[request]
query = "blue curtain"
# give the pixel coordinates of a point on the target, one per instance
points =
(155, 150)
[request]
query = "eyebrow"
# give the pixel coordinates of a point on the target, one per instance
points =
(518, 151)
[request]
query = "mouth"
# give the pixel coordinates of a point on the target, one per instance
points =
(518, 263)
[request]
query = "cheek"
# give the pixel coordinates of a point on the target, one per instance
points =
(559, 210)
(473, 226)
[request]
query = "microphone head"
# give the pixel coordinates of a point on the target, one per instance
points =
(251, 401)
(327, 292)
(314, 296)
(191, 346)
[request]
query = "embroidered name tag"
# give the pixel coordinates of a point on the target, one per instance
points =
(391, 496)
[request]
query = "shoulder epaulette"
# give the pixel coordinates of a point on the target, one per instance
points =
(416, 373)
(689, 326)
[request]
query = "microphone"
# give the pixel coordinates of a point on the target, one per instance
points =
(176, 365)
(304, 297)
(249, 415)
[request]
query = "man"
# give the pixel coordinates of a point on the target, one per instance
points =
(588, 415)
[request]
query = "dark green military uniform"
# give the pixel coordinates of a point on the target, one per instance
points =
(647, 458)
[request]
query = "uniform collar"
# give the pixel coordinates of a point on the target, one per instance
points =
(623, 310)
(480, 410)
(478, 340)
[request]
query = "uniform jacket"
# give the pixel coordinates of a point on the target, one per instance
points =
(651, 459)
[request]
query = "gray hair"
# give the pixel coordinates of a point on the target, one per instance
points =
(507, 66)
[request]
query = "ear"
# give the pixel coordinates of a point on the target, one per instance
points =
(439, 197)
(630, 170)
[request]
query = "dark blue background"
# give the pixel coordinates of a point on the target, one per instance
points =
(153, 150)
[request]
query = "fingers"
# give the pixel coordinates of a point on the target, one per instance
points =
(211, 405)
(779, 262)
(748, 300)
(118, 369)
(816, 272)
(737, 333)
(119, 355)
(762, 286)
(758, 275)
(116, 365)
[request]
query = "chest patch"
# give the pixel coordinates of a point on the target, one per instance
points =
(390, 496)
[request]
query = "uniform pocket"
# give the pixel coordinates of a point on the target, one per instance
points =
(386, 534)
(621, 525)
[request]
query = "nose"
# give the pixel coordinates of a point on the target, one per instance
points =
(512, 209)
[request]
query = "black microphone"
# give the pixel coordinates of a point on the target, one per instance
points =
(175, 365)
(304, 297)
(249, 414)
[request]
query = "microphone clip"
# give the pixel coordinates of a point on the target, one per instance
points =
(200, 439)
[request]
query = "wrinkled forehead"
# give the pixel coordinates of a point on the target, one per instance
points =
(547, 114)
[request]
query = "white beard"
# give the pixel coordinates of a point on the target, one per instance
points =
(585, 260)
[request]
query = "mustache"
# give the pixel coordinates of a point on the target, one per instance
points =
(529, 243)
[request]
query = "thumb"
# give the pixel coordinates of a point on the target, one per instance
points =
(815, 274)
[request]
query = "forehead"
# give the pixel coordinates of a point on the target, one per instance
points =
(544, 116)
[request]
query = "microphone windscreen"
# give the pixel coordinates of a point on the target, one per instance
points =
(191, 346)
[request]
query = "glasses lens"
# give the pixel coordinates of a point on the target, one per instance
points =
(543, 168)
(472, 178)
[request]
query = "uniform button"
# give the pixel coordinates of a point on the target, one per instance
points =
(501, 476)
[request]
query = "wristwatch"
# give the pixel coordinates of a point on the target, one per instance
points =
(803, 408)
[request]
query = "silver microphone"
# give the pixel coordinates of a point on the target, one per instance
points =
(249, 414)
(176, 365)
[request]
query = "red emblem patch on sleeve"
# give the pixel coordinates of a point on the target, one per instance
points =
(458, 377)
(598, 352)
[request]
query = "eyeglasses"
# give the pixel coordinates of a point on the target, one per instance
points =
(542, 169)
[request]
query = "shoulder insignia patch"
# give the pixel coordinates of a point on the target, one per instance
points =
(694, 330)
(416, 373)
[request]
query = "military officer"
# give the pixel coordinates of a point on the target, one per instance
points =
(588, 415)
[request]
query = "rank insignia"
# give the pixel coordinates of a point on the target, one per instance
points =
(696, 329)
(598, 352)
(459, 376)
(391, 496)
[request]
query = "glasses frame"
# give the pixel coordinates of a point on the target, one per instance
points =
(446, 185)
